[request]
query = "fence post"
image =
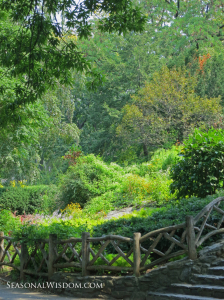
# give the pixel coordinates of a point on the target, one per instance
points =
(24, 255)
(137, 253)
(192, 253)
(1, 247)
(85, 253)
(52, 254)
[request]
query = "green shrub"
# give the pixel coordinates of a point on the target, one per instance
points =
(28, 198)
(200, 172)
(161, 160)
(8, 221)
(98, 186)
(172, 214)
(89, 178)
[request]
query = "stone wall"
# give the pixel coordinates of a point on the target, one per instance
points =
(132, 288)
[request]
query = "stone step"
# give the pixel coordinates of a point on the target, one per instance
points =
(204, 290)
(219, 270)
(171, 296)
(218, 262)
(207, 279)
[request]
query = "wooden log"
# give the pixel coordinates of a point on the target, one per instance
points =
(34, 263)
(65, 257)
(136, 253)
(85, 253)
(192, 253)
(201, 241)
(71, 240)
(172, 239)
(203, 224)
(143, 249)
(162, 230)
(41, 265)
(110, 237)
(75, 252)
(207, 208)
(101, 256)
(169, 250)
(8, 255)
(1, 247)
(109, 268)
(68, 265)
(9, 265)
(13, 257)
(30, 272)
(219, 210)
(7, 248)
(183, 237)
(158, 252)
(59, 255)
(24, 256)
(118, 249)
(52, 255)
(210, 226)
(162, 259)
(44, 253)
(102, 248)
(156, 241)
(220, 222)
(196, 228)
(117, 256)
(16, 249)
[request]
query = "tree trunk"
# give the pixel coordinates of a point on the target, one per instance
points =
(145, 150)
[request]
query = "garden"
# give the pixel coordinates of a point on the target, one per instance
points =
(174, 183)
(111, 118)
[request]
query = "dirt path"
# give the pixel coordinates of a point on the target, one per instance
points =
(7, 293)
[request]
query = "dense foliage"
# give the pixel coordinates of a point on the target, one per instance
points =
(96, 101)
(99, 186)
(200, 172)
(8, 221)
(35, 49)
(28, 199)
(166, 110)
(152, 219)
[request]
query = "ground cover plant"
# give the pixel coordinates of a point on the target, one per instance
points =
(91, 188)
(145, 220)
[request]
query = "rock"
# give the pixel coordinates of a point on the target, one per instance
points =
(118, 213)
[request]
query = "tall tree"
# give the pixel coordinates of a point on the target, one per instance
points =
(126, 62)
(176, 32)
(166, 110)
(33, 48)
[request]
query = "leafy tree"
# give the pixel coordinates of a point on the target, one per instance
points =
(56, 138)
(166, 109)
(19, 144)
(208, 69)
(174, 35)
(200, 172)
(34, 148)
(34, 51)
(185, 27)
(126, 62)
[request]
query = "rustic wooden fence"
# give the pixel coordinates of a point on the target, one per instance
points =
(50, 254)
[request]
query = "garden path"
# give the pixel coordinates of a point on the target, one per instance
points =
(7, 293)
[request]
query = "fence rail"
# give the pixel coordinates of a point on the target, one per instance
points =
(82, 253)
